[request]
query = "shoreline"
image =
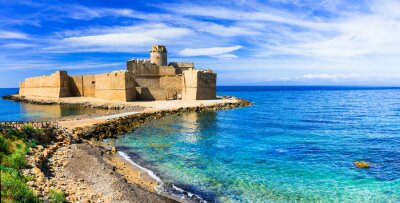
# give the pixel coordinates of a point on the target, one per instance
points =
(85, 134)
(170, 191)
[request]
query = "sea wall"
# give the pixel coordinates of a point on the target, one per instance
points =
(55, 85)
(117, 85)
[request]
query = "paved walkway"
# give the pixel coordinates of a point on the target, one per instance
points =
(116, 115)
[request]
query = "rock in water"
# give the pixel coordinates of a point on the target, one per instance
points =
(361, 164)
(113, 150)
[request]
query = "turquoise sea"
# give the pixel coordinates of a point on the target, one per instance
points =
(295, 144)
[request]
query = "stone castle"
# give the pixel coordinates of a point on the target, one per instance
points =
(143, 79)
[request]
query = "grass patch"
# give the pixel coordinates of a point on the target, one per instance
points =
(57, 197)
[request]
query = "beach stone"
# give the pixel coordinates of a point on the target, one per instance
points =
(36, 171)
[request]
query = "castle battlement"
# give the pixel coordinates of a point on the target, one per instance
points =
(143, 79)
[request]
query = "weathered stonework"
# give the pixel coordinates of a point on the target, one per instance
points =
(143, 80)
(198, 85)
(117, 85)
(55, 85)
(158, 55)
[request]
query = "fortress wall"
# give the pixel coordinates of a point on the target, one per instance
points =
(55, 85)
(206, 85)
(189, 85)
(117, 85)
(76, 86)
(198, 85)
(156, 88)
(148, 81)
(167, 70)
(143, 67)
(89, 85)
(172, 82)
(150, 94)
(181, 66)
(21, 88)
(82, 85)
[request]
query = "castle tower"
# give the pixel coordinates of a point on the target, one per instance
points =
(158, 55)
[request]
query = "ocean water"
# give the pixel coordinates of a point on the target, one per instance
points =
(14, 111)
(294, 144)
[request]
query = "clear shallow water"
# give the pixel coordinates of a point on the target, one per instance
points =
(293, 145)
(14, 111)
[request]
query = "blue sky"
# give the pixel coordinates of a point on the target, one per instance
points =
(281, 42)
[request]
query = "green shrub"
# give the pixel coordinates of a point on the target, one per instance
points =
(4, 143)
(57, 197)
(16, 160)
(8, 170)
(14, 189)
(12, 134)
(28, 130)
(14, 145)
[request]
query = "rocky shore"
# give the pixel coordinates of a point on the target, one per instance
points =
(78, 164)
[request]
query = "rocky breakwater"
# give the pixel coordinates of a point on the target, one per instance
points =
(114, 127)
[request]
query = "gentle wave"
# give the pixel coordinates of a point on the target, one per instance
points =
(166, 189)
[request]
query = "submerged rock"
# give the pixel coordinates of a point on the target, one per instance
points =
(361, 164)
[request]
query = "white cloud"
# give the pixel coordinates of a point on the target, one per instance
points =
(389, 8)
(18, 45)
(12, 35)
(120, 39)
(218, 52)
(226, 56)
(86, 13)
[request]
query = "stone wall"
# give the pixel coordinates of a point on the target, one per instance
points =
(167, 70)
(181, 66)
(89, 85)
(117, 85)
(76, 86)
(142, 67)
(150, 93)
(198, 85)
(158, 88)
(55, 85)
(82, 86)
